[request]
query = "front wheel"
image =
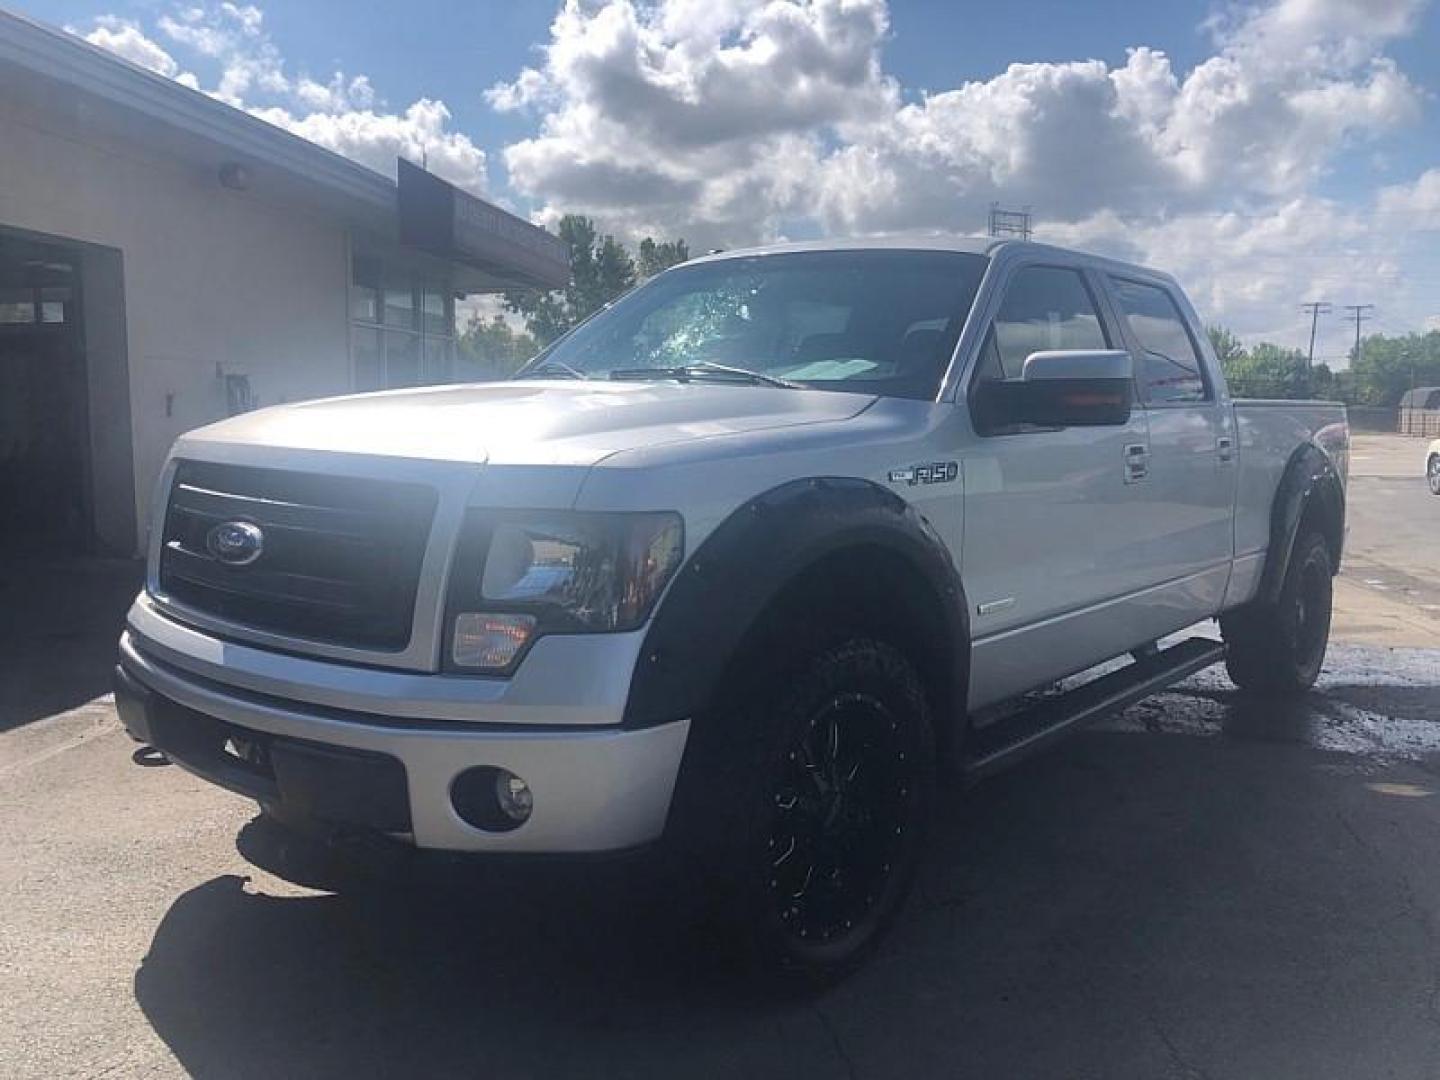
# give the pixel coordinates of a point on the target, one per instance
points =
(1278, 647)
(1432, 474)
(815, 838)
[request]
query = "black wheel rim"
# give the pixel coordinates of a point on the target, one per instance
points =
(1312, 602)
(841, 812)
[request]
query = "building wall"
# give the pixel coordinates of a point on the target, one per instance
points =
(214, 281)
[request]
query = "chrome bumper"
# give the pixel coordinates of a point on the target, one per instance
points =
(595, 789)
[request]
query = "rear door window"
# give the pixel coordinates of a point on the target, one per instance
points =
(1169, 371)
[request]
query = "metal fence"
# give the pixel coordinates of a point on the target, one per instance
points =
(1422, 422)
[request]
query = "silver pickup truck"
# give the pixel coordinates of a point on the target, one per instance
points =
(735, 570)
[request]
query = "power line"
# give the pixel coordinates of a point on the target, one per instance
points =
(1316, 308)
(1357, 312)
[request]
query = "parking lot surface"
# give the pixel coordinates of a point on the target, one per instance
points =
(1203, 886)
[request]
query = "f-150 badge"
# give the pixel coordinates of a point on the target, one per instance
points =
(932, 472)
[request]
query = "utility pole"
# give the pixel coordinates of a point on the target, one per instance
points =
(1010, 222)
(1316, 308)
(1357, 312)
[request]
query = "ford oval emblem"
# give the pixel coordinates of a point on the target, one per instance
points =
(236, 543)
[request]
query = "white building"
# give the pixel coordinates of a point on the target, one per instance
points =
(166, 260)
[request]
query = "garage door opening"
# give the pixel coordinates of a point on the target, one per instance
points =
(66, 472)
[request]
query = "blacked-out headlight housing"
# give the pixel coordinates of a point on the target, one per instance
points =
(519, 575)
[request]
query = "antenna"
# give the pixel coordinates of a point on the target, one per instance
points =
(1010, 222)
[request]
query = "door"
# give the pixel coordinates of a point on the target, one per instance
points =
(1051, 515)
(43, 413)
(1192, 455)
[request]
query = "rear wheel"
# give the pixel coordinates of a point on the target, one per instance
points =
(810, 834)
(1432, 474)
(1279, 647)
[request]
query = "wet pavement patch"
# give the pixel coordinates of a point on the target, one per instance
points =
(1376, 703)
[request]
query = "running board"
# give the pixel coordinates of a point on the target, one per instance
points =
(1007, 741)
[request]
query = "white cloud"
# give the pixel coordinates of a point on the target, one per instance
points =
(341, 113)
(377, 139)
(650, 115)
(731, 121)
(125, 38)
(1417, 203)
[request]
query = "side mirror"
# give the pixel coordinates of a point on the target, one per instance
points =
(1076, 388)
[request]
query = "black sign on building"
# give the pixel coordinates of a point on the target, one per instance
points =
(438, 217)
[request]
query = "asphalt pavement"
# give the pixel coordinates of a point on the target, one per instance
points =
(1204, 886)
(1389, 591)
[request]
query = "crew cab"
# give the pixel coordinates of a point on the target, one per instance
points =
(735, 570)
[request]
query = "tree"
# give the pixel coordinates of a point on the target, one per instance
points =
(1387, 367)
(1226, 345)
(601, 269)
(657, 256)
(494, 348)
(1268, 371)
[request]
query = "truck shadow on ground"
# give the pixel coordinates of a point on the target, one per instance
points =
(1112, 908)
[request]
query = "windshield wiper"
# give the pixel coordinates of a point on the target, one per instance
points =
(686, 372)
(552, 369)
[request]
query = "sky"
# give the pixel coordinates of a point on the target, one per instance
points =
(1267, 153)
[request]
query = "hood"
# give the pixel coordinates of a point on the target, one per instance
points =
(533, 422)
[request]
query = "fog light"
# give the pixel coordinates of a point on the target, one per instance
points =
(490, 642)
(513, 796)
(491, 798)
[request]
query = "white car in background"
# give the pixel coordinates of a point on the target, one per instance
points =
(1432, 467)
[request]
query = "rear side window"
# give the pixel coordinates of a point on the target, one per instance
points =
(1045, 308)
(1169, 369)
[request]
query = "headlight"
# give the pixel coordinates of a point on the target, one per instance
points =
(518, 576)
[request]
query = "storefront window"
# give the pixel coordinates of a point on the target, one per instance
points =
(402, 359)
(433, 315)
(403, 328)
(369, 358)
(400, 306)
(437, 364)
(17, 306)
(53, 301)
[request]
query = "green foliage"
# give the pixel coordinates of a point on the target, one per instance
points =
(1268, 371)
(1388, 366)
(1226, 345)
(492, 349)
(657, 256)
(1384, 370)
(601, 269)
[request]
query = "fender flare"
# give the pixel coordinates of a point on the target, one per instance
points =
(729, 582)
(1309, 484)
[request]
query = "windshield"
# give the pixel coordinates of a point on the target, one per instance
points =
(882, 322)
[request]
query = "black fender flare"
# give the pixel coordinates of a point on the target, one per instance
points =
(729, 582)
(1310, 484)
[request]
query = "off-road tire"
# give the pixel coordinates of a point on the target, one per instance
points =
(758, 795)
(1279, 647)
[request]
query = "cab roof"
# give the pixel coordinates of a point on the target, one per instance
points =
(987, 246)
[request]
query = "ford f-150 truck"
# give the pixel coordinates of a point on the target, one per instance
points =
(735, 570)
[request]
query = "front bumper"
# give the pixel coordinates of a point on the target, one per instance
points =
(595, 789)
